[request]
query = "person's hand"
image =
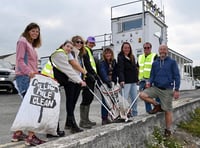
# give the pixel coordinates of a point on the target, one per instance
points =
(122, 84)
(176, 94)
(88, 74)
(82, 83)
(109, 84)
(31, 75)
(147, 85)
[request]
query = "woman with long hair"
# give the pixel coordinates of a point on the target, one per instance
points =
(26, 68)
(108, 74)
(73, 90)
(128, 74)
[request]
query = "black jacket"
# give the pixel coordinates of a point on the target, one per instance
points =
(87, 64)
(128, 71)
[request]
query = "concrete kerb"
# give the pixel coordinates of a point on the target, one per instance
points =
(183, 108)
(119, 135)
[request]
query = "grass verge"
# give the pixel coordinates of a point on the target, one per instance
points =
(192, 126)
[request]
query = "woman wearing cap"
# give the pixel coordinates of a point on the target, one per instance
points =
(87, 96)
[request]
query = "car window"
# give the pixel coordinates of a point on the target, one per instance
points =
(4, 64)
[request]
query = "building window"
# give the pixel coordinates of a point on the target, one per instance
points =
(133, 24)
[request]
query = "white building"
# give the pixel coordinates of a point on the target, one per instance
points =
(138, 22)
(147, 24)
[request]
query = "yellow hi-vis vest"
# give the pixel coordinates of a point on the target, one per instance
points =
(145, 65)
(48, 68)
(92, 61)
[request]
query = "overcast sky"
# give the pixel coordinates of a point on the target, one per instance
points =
(61, 19)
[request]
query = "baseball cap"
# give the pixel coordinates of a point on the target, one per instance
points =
(91, 39)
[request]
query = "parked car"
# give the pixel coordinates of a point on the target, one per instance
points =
(7, 77)
(42, 62)
(197, 84)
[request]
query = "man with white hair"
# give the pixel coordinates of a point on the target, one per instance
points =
(164, 84)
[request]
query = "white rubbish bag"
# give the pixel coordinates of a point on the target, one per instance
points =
(116, 104)
(40, 109)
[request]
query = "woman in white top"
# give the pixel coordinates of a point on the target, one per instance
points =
(73, 89)
(64, 66)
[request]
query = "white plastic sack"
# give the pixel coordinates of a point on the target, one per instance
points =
(114, 101)
(15, 84)
(40, 109)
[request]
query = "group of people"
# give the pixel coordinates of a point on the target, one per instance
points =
(74, 67)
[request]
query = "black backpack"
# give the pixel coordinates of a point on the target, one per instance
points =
(59, 75)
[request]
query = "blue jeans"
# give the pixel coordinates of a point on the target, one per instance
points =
(148, 106)
(22, 84)
(104, 112)
(130, 90)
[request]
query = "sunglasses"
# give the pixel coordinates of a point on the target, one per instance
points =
(147, 47)
(79, 42)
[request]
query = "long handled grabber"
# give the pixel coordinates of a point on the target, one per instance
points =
(106, 91)
(109, 97)
(127, 112)
(112, 115)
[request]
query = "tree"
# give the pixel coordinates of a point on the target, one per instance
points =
(196, 72)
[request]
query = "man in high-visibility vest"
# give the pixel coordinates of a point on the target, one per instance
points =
(145, 61)
(87, 96)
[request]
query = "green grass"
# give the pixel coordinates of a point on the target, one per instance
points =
(157, 140)
(193, 125)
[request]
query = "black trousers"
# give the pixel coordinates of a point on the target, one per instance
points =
(72, 91)
(87, 96)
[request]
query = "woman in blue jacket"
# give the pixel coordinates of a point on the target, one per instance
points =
(108, 74)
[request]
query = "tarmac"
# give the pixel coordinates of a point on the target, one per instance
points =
(9, 105)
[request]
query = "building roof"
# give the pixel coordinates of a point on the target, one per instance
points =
(6, 55)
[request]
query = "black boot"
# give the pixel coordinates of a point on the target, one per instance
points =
(92, 123)
(105, 121)
(59, 133)
(68, 124)
(84, 117)
(73, 126)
